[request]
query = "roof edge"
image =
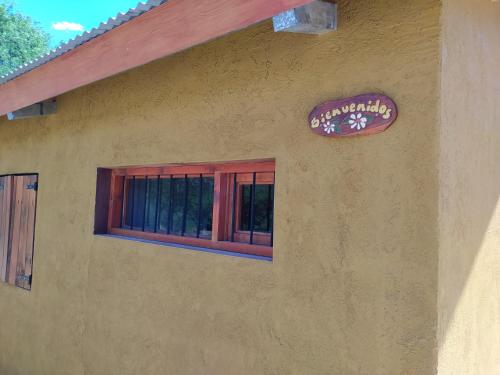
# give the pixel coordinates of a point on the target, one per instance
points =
(171, 27)
(104, 27)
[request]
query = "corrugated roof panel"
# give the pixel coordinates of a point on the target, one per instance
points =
(103, 28)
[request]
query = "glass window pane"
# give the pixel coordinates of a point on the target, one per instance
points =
(129, 187)
(192, 207)
(136, 200)
(176, 215)
(139, 202)
(151, 203)
(245, 207)
(207, 208)
(143, 205)
(263, 209)
(164, 204)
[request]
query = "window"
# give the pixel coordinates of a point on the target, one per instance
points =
(223, 206)
(17, 228)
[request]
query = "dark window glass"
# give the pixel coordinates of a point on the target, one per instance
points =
(263, 208)
(181, 205)
(164, 204)
(129, 189)
(192, 207)
(136, 202)
(177, 212)
(207, 204)
(151, 203)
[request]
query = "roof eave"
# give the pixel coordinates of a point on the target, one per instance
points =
(169, 28)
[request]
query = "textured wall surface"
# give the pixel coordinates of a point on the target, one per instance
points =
(469, 266)
(353, 285)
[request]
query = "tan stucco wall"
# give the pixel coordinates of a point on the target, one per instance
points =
(469, 261)
(353, 285)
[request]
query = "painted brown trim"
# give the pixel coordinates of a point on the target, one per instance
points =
(165, 30)
(220, 208)
(236, 247)
(197, 168)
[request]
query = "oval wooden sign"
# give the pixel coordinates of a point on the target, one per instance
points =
(360, 115)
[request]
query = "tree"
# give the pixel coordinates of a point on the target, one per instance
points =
(21, 39)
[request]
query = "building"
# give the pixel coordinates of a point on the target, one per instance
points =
(375, 254)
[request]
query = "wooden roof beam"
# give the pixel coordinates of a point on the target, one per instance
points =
(165, 30)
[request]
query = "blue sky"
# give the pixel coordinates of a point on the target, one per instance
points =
(64, 19)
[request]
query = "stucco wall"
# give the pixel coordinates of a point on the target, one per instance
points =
(352, 288)
(469, 262)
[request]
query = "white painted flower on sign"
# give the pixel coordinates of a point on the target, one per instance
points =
(358, 121)
(329, 127)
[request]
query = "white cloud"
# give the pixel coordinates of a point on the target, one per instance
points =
(67, 26)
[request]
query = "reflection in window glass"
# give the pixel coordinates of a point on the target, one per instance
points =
(263, 208)
(179, 205)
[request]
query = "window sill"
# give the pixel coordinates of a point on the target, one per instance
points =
(188, 247)
(236, 247)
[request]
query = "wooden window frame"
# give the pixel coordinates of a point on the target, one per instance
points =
(109, 209)
(247, 179)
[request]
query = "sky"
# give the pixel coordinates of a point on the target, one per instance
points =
(65, 19)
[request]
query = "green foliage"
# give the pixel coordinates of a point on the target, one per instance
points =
(21, 40)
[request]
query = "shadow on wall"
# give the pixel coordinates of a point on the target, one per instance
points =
(469, 269)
